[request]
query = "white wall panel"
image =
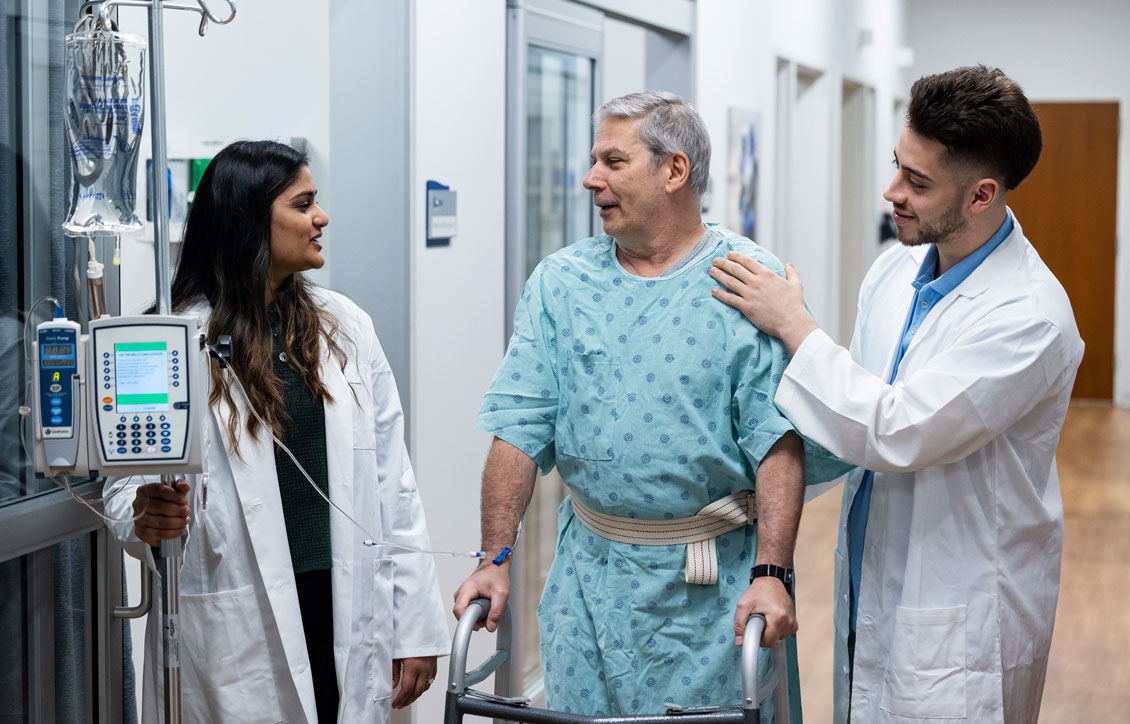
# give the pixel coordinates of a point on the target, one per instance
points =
(457, 294)
(624, 61)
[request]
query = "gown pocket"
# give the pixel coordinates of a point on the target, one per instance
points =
(925, 677)
(225, 643)
(588, 415)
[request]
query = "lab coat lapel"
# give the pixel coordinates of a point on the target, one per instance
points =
(1003, 259)
(339, 434)
(256, 482)
(343, 536)
(890, 325)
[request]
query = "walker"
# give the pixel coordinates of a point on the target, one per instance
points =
(462, 700)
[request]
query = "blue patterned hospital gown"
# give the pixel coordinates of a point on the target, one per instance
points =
(653, 399)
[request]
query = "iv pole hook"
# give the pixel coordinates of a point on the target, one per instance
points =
(199, 6)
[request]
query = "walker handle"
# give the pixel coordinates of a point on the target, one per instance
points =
(499, 662)
(777, 683)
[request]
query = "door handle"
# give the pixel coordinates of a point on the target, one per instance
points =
(146, 601)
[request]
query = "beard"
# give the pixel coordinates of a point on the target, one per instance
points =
(951, 223)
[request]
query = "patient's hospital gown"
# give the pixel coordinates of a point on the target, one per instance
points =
(653, 400)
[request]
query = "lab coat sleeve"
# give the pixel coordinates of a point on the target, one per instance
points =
(118, 495)
(419, 623)
(947, 408)
(521, 405)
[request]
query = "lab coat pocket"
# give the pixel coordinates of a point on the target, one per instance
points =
(588, 411)
(224, 642)
(925, 676)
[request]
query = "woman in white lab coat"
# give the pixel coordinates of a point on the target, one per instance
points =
(286, 615)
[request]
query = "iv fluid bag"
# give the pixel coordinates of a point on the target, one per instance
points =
(105, 113)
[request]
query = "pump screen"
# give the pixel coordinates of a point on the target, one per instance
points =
(58, 350)
(57, 355)
(142, 373)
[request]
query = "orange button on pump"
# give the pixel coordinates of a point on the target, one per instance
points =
(107, 400)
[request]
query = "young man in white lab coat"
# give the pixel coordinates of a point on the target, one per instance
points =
(951, 401)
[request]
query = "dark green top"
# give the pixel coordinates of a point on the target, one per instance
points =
(307, 515)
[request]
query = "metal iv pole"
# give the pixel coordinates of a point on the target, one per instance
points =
(171, 551)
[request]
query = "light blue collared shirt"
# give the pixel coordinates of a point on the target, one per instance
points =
(928, 291)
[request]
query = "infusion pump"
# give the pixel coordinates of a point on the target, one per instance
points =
(128, 398)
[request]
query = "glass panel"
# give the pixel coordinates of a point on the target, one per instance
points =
(46, 661)
(36, 259)
(46, 597)
(559, 108)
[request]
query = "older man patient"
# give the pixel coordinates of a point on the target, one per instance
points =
(656, 406)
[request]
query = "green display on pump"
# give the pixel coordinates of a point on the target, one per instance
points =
(141, 376)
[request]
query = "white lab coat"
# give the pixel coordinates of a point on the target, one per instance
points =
(244, 655)
(961, 561)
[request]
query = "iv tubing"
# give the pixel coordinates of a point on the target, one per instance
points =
(94, 280)
(371, 541)
(120, 486)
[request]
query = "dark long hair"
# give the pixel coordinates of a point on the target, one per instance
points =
(225, 259)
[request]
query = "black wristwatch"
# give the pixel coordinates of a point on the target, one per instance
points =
(784, 575)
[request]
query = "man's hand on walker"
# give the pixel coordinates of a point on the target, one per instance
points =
(774, 305)
(488, 581)
(767, 596)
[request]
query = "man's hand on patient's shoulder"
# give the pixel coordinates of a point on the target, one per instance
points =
(767, 596)
(774, 304)
(488, 581)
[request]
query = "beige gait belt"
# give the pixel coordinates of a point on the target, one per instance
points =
(699, 532)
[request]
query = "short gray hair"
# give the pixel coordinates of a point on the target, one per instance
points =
(670, 125)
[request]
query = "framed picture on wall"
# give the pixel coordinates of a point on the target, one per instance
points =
(742, 171)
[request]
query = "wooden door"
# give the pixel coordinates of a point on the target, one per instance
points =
(1067, 209)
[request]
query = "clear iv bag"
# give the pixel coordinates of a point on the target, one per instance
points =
(105, 72)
